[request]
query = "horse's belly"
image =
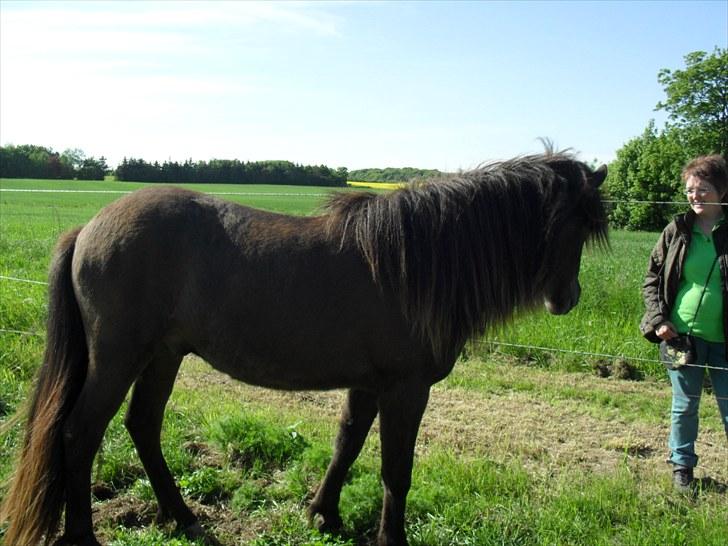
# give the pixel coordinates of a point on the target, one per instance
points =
(297, 371)
(312, 355)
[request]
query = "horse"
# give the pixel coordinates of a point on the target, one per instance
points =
(377, 294)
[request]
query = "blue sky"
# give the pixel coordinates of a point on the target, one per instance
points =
(443, 85)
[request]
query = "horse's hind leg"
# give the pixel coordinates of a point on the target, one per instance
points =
(400, 413)
(98, 401)
(143, 420)
(356, 420)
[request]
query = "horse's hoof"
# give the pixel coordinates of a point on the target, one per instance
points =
(162, 517)
(197, 532)
(326, 523)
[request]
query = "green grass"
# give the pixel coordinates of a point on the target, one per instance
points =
(250, 465)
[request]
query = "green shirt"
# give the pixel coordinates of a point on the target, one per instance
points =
(708, 324)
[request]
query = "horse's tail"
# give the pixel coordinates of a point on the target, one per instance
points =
(36, 494)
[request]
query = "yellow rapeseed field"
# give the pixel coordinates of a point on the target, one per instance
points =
(377, 185)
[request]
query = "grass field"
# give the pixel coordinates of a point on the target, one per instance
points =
(519, 445)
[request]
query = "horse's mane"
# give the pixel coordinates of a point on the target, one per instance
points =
(463, 252)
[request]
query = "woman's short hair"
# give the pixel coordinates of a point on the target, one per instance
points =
(711, 169)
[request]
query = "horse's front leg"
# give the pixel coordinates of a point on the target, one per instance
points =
(356, 420)
(400, 413)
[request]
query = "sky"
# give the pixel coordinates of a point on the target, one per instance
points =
(442, 85)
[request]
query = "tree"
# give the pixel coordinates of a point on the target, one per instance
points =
(697, 98)
(647, 171)
(92, 169)
(73, 158)
(30, 161)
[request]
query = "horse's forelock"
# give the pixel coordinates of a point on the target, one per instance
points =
(588, 200)
(581, 195)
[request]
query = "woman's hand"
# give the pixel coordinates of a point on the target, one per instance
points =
(666, 331)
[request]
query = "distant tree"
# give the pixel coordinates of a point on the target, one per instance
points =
(136, 170)
(72, 159)
(92, 169)
(15, 162)
(30, 161)
(697, 98)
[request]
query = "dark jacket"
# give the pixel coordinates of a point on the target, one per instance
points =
(665, 270)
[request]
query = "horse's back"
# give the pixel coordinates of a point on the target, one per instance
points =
(164, 248)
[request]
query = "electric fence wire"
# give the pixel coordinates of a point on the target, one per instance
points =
(303, 194)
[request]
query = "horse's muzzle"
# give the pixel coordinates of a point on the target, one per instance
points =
(565, 303)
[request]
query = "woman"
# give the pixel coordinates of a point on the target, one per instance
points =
(686, 291)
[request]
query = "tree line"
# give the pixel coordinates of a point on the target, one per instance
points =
(231, 171)
(31, 161)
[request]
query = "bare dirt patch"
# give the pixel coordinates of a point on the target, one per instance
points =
(129, 512)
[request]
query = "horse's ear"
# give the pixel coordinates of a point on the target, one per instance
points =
(598, 176)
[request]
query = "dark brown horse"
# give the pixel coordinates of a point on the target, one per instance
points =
(378, 295)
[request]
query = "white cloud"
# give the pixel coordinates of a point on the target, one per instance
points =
(124, 73)
(153, 22)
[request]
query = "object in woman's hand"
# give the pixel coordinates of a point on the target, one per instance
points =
(677, 352)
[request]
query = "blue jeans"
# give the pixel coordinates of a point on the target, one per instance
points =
(687, 386)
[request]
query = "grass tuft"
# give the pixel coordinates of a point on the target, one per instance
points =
(253, 444)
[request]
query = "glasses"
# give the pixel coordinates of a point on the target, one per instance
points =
(700, 192)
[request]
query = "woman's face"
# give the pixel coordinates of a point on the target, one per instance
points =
(702, 196)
